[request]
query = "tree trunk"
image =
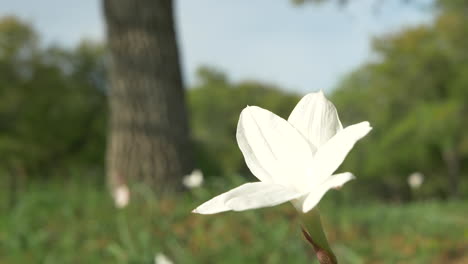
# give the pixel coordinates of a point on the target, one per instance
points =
(149, 135)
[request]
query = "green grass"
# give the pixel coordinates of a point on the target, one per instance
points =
(77, 223)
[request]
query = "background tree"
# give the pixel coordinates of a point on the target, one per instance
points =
(53, 107)
(149, 134)
(53, 102)
(415, 96)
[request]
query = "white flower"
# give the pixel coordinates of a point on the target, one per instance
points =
(193, 180)
(121, 196)
(415, 180)
(294, 160)
(160, 258)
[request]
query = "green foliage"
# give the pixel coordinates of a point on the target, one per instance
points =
(53, 107)
(414, 94)
(452, 5)
(75, 222)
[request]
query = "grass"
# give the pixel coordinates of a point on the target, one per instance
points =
(77, 223)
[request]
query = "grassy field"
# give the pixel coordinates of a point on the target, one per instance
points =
(77, 223)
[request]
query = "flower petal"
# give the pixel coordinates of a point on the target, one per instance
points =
(248, 196)
(330, 156)
(274, 151)
(316, 118)
(314, 197)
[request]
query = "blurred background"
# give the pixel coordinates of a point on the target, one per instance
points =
(107, 107)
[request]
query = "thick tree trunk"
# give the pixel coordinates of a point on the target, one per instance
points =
(149, 136)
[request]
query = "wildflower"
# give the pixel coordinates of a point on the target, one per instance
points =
(415, 180)
(193, 180)
(160, 258)
(121, 196)
(294, 160)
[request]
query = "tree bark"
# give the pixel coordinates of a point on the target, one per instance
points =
(149, 134)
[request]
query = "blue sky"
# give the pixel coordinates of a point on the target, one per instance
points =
(298, 48)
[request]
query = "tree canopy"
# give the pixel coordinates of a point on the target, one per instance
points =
(53, 106)
(414, 93)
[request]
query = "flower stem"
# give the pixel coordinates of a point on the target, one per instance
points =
(313, 231)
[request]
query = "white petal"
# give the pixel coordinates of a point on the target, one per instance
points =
(248, 196)
(314, 197)
(160, 258)
(121, 196)
(193, 180)
(274, 151)
(330, 156)
(316, 118)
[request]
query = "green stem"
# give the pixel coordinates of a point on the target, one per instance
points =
(313, 231)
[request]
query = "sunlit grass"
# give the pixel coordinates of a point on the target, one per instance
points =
(77, 223)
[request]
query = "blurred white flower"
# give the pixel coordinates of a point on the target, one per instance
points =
(160, 258)
(121, 196)
(193, 180)
(415, 180)
(294, 160)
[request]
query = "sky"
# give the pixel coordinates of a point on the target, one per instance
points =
(301, 49)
